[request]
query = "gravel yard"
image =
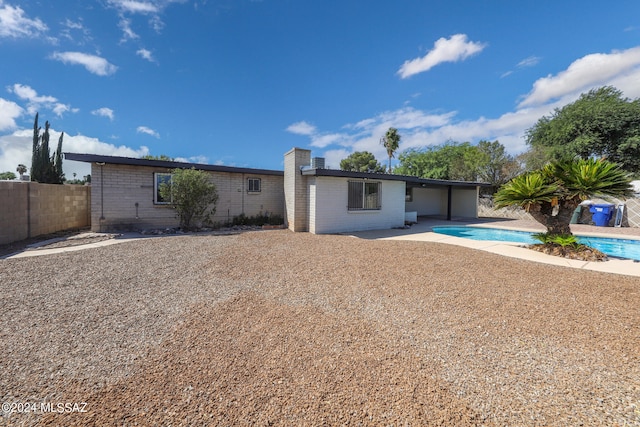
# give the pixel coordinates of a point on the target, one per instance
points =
(277, 328)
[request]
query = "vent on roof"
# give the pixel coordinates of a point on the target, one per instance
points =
(317, 163)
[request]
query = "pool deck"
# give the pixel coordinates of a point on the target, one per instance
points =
(422, 232)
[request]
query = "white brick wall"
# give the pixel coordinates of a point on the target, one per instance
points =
(329, 213)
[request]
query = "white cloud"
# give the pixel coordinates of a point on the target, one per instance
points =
(15, 148)
(156, 23)
(59, 109)
(103, 112)
(146, 54)
(29, 94)
(322, 141)
(420, 129)
(127, 32)
(454, 49)
(131, 6)
(529, 62)
(195, 159)
(37, 102)
(301, 128)
(9, 112)
(94, 64)
(318, 139)
(407, 118)
(75, 27)
(199, 159)
(14, 23)
(148, 131)
(151, 8)
(583, 74)
(332, 158)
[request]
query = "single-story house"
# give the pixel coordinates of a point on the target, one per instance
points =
(127, 196)
(124, 194)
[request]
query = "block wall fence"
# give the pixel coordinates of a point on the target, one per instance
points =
(630, 218)
(31, 209)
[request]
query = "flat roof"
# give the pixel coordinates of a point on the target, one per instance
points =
(116, 160)
(414, 181)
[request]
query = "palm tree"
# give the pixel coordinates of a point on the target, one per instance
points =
(391, 141)
(21, 169)
(552, 193)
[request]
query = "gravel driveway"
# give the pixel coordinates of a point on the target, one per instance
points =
(277, 328)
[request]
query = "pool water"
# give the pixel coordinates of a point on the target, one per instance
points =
(619, 248)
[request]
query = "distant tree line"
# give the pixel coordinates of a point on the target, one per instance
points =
(486, 161)
(601, 124)
(7, 175)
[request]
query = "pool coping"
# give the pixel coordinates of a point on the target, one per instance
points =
(533, 230)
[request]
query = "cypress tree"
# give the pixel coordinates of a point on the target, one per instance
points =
(44, 155)
(36, 168)
(45, 169)
(59, 175)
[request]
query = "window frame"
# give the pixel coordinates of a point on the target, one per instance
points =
(251, 188)
(156, 188)
(358, 202)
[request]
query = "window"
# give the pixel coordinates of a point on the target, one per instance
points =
(253, 185)
(364, 195)
(158, 180)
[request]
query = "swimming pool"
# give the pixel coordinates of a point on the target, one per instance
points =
(619, 248)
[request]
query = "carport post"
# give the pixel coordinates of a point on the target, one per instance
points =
(449, 192)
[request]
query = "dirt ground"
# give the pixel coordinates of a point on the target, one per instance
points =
(277, 328)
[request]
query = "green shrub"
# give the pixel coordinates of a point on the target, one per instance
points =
(192, 195)
(543, 238)
(260, 219)
(563, 240)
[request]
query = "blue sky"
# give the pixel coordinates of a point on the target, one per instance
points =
(240, 82)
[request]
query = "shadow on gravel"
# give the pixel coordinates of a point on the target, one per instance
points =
(251, 360)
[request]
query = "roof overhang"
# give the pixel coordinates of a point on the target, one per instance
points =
(115, 160)
(411, 181)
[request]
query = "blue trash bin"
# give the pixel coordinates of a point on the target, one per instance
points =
(601, 214)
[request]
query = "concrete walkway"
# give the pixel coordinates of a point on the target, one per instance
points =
(40, 249)
(422, 232)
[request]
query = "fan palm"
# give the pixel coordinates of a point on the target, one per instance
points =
(21, 169)
(391, 142)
